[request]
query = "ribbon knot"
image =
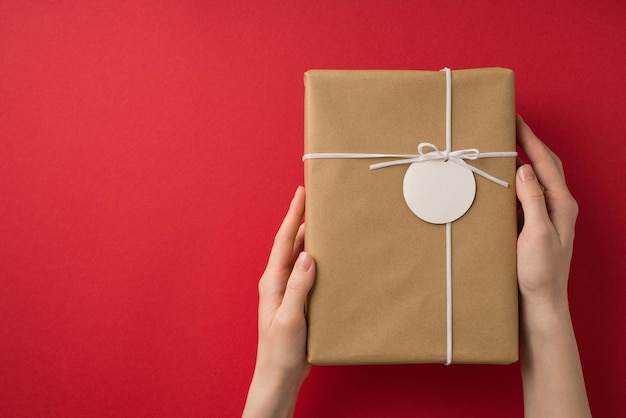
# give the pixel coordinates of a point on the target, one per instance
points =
(445, 155)
(456, 157)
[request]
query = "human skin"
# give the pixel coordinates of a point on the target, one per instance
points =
(552, 375)
(551, 371)
(281, 364)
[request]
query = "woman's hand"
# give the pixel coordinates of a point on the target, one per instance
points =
(281, 364)
(551, 371)
(544, 247)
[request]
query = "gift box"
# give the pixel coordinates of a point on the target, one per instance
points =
(393, 285)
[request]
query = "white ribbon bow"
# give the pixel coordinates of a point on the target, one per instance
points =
(456, 157)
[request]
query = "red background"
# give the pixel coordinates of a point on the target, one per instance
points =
(148, 152)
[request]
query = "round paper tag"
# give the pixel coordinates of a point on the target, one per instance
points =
(439, 191)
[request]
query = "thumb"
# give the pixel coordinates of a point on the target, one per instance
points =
(531, 196)
(299, 283)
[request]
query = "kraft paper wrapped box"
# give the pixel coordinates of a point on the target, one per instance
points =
(381, 294)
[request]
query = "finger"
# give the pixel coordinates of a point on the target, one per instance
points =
(281, 256)
(532, 198)
(520, 219)
(560, 204)
(274, 280)
(547, 165)
(299, 284)
(298, 245)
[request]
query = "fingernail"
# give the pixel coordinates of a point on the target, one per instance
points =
(526, 173)
(304, 262)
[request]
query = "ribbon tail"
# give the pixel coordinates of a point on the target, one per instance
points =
(480, 172)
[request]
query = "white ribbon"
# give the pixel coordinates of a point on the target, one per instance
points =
(457, 157)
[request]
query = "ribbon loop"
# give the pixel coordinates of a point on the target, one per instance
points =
(423, 145)
(457, 157)
(468, 154)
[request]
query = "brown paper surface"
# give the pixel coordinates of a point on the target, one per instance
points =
(380, 291)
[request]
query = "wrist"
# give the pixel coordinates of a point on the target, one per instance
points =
(281, 381)
(545, 319)
(272, 395)
(550, 364)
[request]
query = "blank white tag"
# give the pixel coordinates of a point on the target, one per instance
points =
(439, 191)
